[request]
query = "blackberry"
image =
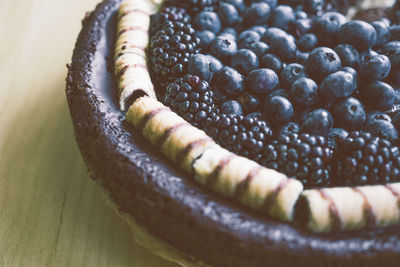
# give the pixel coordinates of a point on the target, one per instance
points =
(363, 159)
(194, 6)
(249, 137)
(246, 136)
(191, 98)
(166, 14)
(170, 50)
(302, 156)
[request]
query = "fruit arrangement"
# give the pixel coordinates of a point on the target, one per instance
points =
(292, 85)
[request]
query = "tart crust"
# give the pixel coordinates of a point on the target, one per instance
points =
(167, 202)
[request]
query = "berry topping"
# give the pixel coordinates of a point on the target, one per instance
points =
(363, 159)
(287, 83)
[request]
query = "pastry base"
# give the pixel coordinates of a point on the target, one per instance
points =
(157, 246)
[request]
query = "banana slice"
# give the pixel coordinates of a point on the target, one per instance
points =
(129, 56)
(345, 208)
(178, 140)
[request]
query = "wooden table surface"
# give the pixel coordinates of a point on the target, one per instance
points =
(51, 213)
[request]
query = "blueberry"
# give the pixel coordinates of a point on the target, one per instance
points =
(322, 62)
(257, 14)
(230, 30)
(207, 20)
(301, 26)
(274, 33)
(302, 115)
(244, 60)
(382, 129)
(262, 81)
(279, 92)
(396, 121)
(318, 122)
(271, 61)
(282, 16)
(382, 32)
(300, 14)
(281, 43)
(386, 21)
(375, 68)
(337, 85)
(278, 110)
(392, 50)
(327, 27)
(247, 38)
(378, 115)
(238, 4)
(397, 97)
(395, 32)
(394, 78)
(291, 73)
(199, 65)
(395, 59)
(307, 42)
(205, 37)
(228, 14)
(259, 48)
(359, 34)
(215, 64)
(223, 47)
(232, 107)
(335, 136)
(301, 57)
(303, 92)
(348, 55)
(351, 71)
(289, 128)
(378, 95)
(348, 113)
(258, 29)
(228, 81)
(284, 47)
(314, 7)
(271, 3)
(249, 102)
(367, 54)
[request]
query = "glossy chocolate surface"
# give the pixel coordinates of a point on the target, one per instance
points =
(168, 202)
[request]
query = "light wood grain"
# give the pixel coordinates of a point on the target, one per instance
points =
(51, 213)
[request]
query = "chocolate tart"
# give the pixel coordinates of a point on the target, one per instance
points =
(165, 201)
